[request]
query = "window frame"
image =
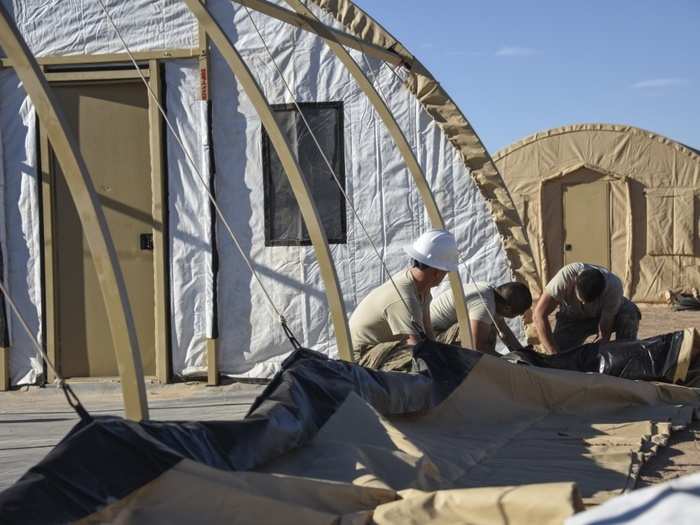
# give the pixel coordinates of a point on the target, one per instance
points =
(267, 174)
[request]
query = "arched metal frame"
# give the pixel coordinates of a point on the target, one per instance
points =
(405, 149)
(291, 167)
(91, 216)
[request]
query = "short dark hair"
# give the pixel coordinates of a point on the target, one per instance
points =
(590, 284)
(419, 265)
(516, 295)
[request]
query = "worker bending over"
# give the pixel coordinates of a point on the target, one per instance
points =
(486, 305)
(385, 325)
(591, 302)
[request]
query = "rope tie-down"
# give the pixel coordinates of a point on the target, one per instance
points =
(71, 396)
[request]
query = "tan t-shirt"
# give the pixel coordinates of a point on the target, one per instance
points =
(563, 288)
(382, 317)
(444, 315)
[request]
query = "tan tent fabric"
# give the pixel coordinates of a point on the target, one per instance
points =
(437, 103)
(541, 504)
(514, 443)
(653, 186)
(193, 493)
(670, 225)
(506, 425)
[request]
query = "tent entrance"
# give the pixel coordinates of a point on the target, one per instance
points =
(111, 121)
(586, 211)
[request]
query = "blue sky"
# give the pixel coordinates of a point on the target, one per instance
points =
(516, 67)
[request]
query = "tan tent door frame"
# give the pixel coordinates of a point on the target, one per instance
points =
(161, 326)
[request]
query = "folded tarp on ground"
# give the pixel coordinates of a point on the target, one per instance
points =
(671, 358)
(469, 435)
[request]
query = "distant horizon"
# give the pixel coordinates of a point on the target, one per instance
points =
(516, 69)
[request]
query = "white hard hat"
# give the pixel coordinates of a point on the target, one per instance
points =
(435, 248)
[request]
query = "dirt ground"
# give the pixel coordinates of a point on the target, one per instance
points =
(682, 454)
(659, 319)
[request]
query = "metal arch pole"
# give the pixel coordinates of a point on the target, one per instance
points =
(291, 168)
(91, 217)
(406, 151)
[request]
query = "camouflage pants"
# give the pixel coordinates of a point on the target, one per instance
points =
(569, 332)
(451, 337)
(393, 356)
(398, 356)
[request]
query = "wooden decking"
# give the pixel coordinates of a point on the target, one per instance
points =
(32, 422)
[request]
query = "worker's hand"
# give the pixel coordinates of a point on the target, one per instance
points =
(542, 349)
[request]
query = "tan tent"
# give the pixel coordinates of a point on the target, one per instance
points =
(613, 195)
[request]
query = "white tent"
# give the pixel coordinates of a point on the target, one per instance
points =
(211, 293)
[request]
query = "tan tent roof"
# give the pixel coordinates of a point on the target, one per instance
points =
(642, 135)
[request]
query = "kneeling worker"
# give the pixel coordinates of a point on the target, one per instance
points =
(486, 305)
(591, 302)
(385, 325)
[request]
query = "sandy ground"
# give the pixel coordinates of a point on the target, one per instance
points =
(659, 319)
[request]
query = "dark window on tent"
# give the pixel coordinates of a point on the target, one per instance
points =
(284, 225)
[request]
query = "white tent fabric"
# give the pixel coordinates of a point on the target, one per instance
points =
(21, 231)
(676, 501)
(380, 186)
(79, 27)
(189, 218)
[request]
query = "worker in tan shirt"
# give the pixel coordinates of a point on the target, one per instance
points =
(487, 306)
(591, 302)
(396, 315)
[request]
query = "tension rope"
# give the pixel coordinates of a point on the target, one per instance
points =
(416, 325)
(71, 396)
(283, 322)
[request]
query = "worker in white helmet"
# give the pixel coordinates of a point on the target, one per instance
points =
(395, 316)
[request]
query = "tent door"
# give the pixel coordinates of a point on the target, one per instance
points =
(586, 209)
(111, 121)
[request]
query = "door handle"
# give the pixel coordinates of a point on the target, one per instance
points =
(567, 247)
(146, 241)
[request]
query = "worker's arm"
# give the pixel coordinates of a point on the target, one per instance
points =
(605, 328)
(428, 324)
(481, 333)
(401, 322)
(607, 315)
(544, 307)
(507, 336)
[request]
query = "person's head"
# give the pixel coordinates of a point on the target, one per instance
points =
(590, 284)
(512, 299)
(434, 254)
(432, 276)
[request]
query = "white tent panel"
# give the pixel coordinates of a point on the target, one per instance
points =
(79, 27)
(191, 278)
(21, 235)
